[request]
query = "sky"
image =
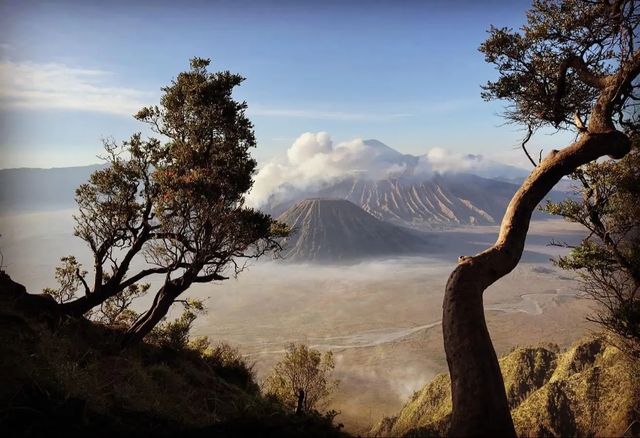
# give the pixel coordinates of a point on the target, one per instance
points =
(407, 73)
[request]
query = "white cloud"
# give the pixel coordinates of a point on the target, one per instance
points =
(308, 145)
(58, 86)
(442, 161)
(314, 161)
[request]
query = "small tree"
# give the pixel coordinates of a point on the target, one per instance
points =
(70, 278)
(302, 379)
(608, 260)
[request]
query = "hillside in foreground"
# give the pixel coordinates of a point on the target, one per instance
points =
(591, 389)
(70, 377)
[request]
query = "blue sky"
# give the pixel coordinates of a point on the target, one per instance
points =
(407, 73)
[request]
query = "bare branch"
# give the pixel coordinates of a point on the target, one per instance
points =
(87, 290)
(210, 277)
(524, 144)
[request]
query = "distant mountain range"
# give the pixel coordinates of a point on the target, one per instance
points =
(418, 194)
(336, 230)
(354, 216)
(443, 200)
(29, 189)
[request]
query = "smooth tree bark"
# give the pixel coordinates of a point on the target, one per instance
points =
(480, 406)
(162, 302)
(479, 398)
(165, 297)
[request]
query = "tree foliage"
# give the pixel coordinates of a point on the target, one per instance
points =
(176, 333)
(176, 205)
(117, 311)
(70, 278)
(552, 71)
(306, 369)
(608, 260)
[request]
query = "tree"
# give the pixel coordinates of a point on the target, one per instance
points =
(608, 260)
(70, 278)
(573, 66)
(302, 379)
(204, 227)
(178, 204)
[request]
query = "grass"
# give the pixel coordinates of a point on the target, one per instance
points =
(69, 376)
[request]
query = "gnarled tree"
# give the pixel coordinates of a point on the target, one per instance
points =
(204, 229)
(175, 207)
(574, 65)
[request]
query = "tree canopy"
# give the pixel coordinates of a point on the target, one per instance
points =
(553, 71)
(302, 379)
(175, 204)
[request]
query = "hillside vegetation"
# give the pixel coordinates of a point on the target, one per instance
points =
(590, 389)
(60, 375)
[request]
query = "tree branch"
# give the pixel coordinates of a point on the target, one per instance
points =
(140, 275)
(87, 290)
(524, 144)
(583, 72)
(209, 277)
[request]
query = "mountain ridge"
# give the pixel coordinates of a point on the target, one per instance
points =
(550, 393)
(34, 189)
(442, 200)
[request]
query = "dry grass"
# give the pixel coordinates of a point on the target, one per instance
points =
(589, 389)
(71, 376)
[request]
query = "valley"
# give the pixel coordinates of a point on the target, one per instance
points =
(382, 321)
(380, 317)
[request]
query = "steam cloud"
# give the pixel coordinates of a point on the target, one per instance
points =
(314, 161)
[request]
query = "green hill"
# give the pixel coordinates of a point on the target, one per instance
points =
(590, 389)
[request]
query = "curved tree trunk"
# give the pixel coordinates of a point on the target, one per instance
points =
(159, 309)
(162, 302)
(85, 303)
(480, 406)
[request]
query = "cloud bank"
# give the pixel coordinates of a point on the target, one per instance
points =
(58, 86)
(314, 160)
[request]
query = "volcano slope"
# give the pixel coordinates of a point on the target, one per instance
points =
(336, 230)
